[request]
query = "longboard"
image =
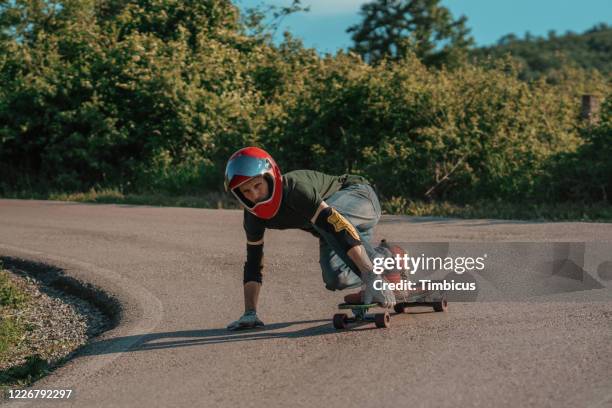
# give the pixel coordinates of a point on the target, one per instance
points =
(383, 320)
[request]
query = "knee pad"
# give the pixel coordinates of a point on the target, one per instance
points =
(347, 280)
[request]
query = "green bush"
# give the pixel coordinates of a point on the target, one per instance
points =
(115, 96)
(584, 175)
(150, 96)
(462, 134)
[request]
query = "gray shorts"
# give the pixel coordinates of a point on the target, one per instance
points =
(359, 204)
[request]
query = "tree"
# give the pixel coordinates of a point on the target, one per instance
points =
(393, 28)
(264, 20)
(545, 56)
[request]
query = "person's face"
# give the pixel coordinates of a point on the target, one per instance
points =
(255, 190)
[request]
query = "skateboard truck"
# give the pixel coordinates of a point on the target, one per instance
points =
(342, 320)
(439, 304)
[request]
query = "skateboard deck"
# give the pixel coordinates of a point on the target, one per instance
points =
(436, 300)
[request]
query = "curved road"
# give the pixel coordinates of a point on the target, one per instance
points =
(178, 273)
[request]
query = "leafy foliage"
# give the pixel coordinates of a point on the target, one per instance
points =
(540, 56)
(113, 92)
(420, 133)
(153, 96)
(585, 175)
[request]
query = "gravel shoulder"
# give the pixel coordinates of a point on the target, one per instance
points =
(51, 325)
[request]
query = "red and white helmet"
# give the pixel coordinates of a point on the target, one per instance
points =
(251, 162)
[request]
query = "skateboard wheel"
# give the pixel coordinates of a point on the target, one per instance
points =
(382, 320)
(340, 321)
(399, 308)
(441, 306)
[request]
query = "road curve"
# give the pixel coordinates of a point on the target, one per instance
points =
(178, 274)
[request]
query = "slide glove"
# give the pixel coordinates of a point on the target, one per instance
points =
(249, 320)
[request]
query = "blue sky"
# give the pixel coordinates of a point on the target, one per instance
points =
(324, 26)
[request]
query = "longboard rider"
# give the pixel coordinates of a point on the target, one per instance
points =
(341, 211)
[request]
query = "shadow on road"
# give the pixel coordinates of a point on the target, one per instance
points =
(155, 341)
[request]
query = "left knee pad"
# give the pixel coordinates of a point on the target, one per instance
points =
(347, 280)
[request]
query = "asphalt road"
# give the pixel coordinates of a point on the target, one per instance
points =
(178, 274)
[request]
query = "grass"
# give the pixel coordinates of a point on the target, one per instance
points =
(11, 296)
(13, 335)
(12, 330)
(600, 212)
(489, 209)
(114, 196)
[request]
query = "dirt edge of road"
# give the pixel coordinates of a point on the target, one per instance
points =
(55, 278)
(102, 312)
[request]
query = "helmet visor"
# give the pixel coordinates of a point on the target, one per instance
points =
(245, 166)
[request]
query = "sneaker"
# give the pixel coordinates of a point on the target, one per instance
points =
(354, 298)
